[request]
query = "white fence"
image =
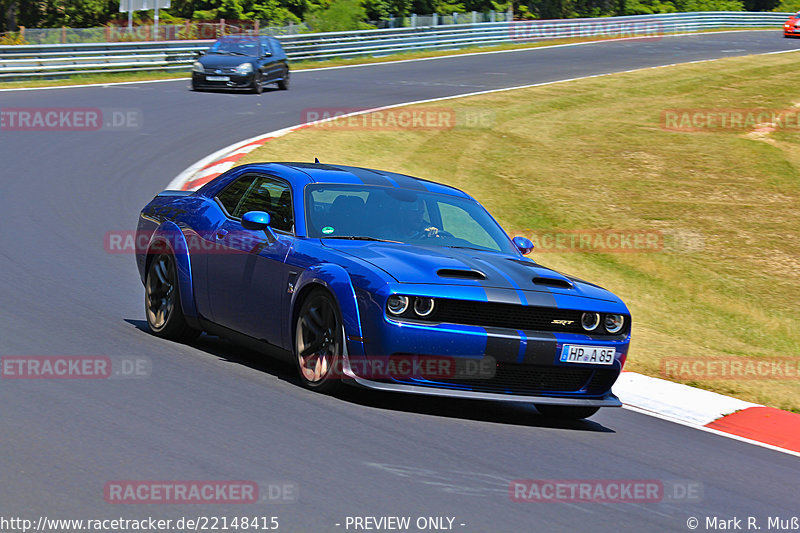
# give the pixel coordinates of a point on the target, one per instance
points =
(37, 61)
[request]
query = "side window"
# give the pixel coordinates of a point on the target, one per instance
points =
(265, 46)
(275, 46)
(233, 193)
(270, 195)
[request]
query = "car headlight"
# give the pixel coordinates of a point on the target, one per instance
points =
(244, 69)
(613, 323)
(423, 306)
(397, 304)
(198, 67)
(590, 321)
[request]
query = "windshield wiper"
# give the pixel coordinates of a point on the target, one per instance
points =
(470, 248)
(359, 238)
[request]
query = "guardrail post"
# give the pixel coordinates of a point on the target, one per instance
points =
(22, 33)
(474, 17)
(256, 25)
(510, 15)
(492, 16)
(413, 20)
(63, 35)
(455, 18)
(435, 19)
(221, 27)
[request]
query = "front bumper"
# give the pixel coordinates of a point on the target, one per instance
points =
(606, 400)
(527, 365)
(201, 81)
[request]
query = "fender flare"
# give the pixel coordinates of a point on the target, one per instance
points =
(337, 281)
(169, 237)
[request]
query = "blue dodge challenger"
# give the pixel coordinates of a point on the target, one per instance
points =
(381, 280)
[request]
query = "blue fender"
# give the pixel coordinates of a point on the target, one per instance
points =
(337, 281)
(168, 236)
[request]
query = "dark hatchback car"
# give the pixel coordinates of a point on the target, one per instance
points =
(246, 62)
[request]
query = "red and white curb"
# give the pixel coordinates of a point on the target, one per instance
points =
(222, 160)
(750, 422)
(767, 427)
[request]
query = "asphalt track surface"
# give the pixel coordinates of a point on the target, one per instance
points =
(212, 411)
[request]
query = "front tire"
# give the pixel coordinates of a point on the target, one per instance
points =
(283, 84)
(319, 343)
(162, 301)
(258, 86)
(566, 412)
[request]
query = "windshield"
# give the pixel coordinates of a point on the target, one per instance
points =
(371, 212)
(243, 47)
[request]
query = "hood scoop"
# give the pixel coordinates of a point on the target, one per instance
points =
(553, 282)
(457, 273)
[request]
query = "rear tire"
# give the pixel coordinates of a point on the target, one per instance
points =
(566, 412)
(162, 302)
(319, 343)
(283, 84)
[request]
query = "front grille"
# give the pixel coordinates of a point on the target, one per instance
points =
(500, 315)
(213, 71)
(520, 379)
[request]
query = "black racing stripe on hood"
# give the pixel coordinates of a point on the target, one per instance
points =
(525, 297)
(540, 298)
(494, 294)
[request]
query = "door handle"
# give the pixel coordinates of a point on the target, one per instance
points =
(221, 233)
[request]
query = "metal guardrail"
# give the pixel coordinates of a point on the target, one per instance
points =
(37, 61)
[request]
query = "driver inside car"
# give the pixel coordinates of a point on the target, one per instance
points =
(412, 221)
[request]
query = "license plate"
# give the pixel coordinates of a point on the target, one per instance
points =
(218, 78)
(590, 355)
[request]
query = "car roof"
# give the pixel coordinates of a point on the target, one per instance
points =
(343, 174)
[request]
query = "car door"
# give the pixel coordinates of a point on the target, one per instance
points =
(281, 61)
(247, 273)
(271, 67)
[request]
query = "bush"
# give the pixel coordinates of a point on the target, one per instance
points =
(339, 15)
(12, 38)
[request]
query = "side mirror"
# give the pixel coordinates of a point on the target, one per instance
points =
(201, 53)
(525, 246)
(255, 220)
(266, 54)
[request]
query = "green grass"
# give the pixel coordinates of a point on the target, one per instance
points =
(101, 78)
(592, 154)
